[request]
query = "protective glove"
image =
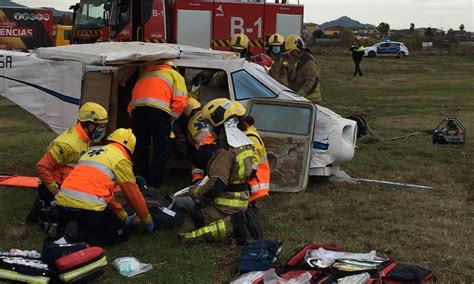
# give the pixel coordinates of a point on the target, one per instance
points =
(141, 182)
(53, 188)
(150, 225)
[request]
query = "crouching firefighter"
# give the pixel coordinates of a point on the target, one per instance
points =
(259, 182)
(86, 203)
(63, 154)
(222, 200)
(202, 140)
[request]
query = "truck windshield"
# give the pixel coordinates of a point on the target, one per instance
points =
(90, 13)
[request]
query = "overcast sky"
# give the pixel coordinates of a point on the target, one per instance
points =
(398, 13)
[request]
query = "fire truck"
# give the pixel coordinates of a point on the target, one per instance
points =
(24, 28)
(199, 23)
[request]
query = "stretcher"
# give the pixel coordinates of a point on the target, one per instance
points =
(18, 181)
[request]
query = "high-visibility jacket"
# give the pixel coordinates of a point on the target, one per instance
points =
(199, 133)
(260, 184)
(162, 87)
(229, 172)
(92, 183)
(62, 155)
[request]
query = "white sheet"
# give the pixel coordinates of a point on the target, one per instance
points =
(58, 103)
(112, 53)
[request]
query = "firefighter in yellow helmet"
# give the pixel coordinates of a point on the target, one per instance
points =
(259, 183)
(280, 60)
(303, 74)
(64, 152)
(224, 196)
(240, 43)
(86, 198)
(202, 140)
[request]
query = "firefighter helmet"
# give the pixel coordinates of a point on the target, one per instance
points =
(192, 105)
(294, 42)
(238, 108)
(239, 42)
(276, 39)
(218, 111)
(125, 137)
(263, 60)
(92, 112)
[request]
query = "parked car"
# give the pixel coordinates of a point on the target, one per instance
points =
(387, 48)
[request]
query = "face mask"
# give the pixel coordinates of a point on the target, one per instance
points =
(276, 49)
(99, 133)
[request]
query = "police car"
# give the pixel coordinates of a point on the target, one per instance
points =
(387, 48)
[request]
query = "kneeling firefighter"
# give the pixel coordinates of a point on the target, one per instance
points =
(86, 198)
(202, 140)
(63, 154)
(222, 200)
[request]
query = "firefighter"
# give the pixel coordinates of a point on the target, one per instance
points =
(202, 140)
(259, 182)
(357, 54)
(280, 61)
(86, 198)
(64, 152)
(240, 43)
(224, 196)
(158, 98)
(303, 71)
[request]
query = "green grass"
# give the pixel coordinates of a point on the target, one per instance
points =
(432, 228)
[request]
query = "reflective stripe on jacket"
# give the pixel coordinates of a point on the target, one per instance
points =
(231, 167)
(259, 185)
(91, 185)
(162, 87)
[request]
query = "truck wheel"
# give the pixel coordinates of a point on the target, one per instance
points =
(371, 54)
(401, 54)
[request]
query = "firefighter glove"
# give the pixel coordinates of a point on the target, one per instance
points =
(53, 188)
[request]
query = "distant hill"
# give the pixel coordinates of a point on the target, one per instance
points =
(345, 22)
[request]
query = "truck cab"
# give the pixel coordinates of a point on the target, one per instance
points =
(62, 35)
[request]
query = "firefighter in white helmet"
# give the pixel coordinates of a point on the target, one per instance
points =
(224, 197)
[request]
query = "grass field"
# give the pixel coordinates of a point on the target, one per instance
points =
(431, 228)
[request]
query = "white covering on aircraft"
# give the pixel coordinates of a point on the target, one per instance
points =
(112, 53)
(48, 89)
